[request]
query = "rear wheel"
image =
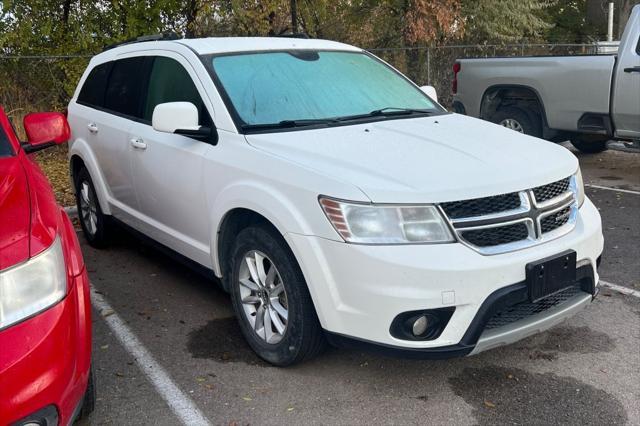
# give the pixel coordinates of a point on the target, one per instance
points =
(589, 144)
(271, 300)
(518, 119)
(94, 223)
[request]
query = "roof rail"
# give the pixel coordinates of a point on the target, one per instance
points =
(292, 35)
(151, 37)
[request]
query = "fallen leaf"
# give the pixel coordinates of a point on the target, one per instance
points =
(489, 404)
(246, 398)
(104, 346)
(106, 312)
(290, 409)
(200, 379)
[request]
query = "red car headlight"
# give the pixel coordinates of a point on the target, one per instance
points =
(32, 286)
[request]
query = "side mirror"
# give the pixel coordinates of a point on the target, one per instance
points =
(430, 91)
(181, 118)
(45, 129)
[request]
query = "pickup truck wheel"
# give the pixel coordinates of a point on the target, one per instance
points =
(589, 144)
(271, 300)
(94, 223)
(518, 119)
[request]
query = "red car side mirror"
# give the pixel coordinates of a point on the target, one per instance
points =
(45, 129)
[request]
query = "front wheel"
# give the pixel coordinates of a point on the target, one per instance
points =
(271, 300)
(589, 144)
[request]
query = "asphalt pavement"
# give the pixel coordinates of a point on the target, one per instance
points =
(167, 349)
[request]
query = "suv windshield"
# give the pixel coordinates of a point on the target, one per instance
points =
(271, 90)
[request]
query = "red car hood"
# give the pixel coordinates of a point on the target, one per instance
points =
(15, 213)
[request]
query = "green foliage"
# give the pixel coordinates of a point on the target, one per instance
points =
(504, 21)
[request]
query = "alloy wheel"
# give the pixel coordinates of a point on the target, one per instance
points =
(263, 296)
(512, 124)
(88, 208)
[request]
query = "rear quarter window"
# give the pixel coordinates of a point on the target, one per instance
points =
(127, 81)
(92, 92)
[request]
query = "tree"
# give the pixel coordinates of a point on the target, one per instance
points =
(505, 21)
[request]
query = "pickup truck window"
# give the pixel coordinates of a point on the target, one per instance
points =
(267, 88)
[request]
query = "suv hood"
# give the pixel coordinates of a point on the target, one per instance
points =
(422, 160)
(14, 206)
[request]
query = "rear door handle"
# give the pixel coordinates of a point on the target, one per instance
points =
(632, 69)
(138, 143)
(93, 128)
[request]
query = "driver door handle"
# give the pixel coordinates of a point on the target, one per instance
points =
(632, 69)
(93, 128)
(138, 143)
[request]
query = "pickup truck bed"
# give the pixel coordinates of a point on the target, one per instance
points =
(586, 98)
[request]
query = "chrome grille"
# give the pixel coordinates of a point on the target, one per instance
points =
(526, 309)
(547, 192)
(507, 222)
(494, 236)
(555, 220)
(481, 206)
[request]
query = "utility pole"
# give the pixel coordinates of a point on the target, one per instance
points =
(294, 17)
(610, 22)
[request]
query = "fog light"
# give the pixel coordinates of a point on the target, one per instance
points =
(420, 326)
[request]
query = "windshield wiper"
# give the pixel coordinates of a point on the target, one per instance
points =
(388, 112)
(289, 123)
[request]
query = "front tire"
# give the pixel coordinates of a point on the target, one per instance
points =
(589, 144)
(271, 300)
(519, 120)
(94, 223)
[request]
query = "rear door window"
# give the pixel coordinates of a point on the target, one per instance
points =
(92, 92)
(169, 81)
(127, 80)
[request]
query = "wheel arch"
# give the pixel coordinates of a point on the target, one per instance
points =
(493, 96)
(80, 154)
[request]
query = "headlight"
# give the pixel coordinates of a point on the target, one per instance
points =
(578, 187)
(32, 286)
(386, 224)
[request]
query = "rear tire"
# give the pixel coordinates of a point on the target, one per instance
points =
(95, 224)
(589, 144)
(260, 251)
(518, 119)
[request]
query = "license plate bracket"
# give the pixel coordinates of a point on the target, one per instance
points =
(550, 275)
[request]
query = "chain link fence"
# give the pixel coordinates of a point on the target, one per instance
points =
(41, 83)
(434, 65)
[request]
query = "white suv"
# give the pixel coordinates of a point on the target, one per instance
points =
(334, 198)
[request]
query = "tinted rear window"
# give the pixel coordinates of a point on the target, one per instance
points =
(126, 86)
(92, 92)
(5, 146)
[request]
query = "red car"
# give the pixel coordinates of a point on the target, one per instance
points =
(45, 311)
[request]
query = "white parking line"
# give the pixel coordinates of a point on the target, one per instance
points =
(626, 191)
(181, 405)
(621, 289)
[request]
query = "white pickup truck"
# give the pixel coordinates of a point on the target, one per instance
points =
(588, 99)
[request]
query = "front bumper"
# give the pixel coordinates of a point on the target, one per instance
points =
(45, 360)
(358, 290)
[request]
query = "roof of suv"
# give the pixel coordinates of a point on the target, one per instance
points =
(213, 45)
